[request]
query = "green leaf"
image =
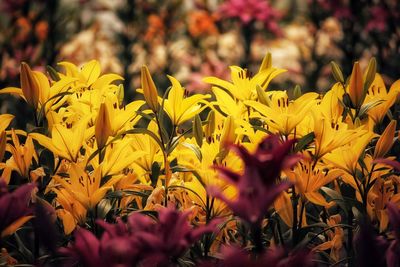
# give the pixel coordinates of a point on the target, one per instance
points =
(304, 142)
(335, 196)
(155, 173)
(103, 208)
(366, 107)
(195, 149)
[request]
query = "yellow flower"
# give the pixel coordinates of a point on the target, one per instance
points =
(119, 155)
(72, 212)
(346, 157)
(36, 90)
(308, 181)
(243, 86)
(281, 114)
(179, 108)
(64, 142)
(83, 186)
(330, 135)
(21, 159)
(377, 91)
(335, 236)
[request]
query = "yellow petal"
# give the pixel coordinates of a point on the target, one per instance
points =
(15, 225)
(283, 206)
(91, 71)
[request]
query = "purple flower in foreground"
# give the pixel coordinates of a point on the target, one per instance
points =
(258, 186)
(249, 11)
(14, 208)
(277, 257)
(393, 252)
(140, 241)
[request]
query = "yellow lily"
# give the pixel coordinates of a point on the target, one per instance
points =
(83, 186)
(243, 86)
(179, 108)
(330, 135)
(346, 157)
(72, 212)
(281, 114)
(21, 159)
(309, 180)
(377, 91)
(36, 90)
(88, 76)
(64, 142)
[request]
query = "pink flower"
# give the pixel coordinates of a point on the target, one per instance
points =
(249, 11)
(141, 240)
(14, 207)
(258, 186)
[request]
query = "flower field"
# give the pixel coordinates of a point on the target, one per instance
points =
(228, 172)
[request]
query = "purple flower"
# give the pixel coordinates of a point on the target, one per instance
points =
(258, 186)
(277, 257)
(141, 240)
(378, 20)
(14, 207)
(249, 11)
(393, 252)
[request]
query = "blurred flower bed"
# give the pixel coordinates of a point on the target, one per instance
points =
(199, 133)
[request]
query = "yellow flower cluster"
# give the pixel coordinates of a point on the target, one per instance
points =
(162, 151)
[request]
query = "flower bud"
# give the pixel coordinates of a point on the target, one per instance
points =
(356, 91)
(228, 133)
(29, 85)
(120, 94)
(266, 63)
(369, 75)
(297, 91)
(385, 142)
(149, 89)
(337, 72)
(210, 126)
(198, 130)
(103, 128)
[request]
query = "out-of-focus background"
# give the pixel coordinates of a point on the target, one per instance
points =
(190, 39)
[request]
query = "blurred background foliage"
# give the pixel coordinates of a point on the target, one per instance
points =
(190, 39)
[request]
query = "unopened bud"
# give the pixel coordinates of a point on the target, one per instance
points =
(149, 89)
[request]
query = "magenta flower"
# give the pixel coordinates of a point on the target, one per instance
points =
(258, 186)
(140, 241)
(14, 207)
(393, 252)
(248, 11)
(277, 257)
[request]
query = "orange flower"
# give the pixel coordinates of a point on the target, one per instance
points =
(200, 22)
(155, 28)
(41, 30)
